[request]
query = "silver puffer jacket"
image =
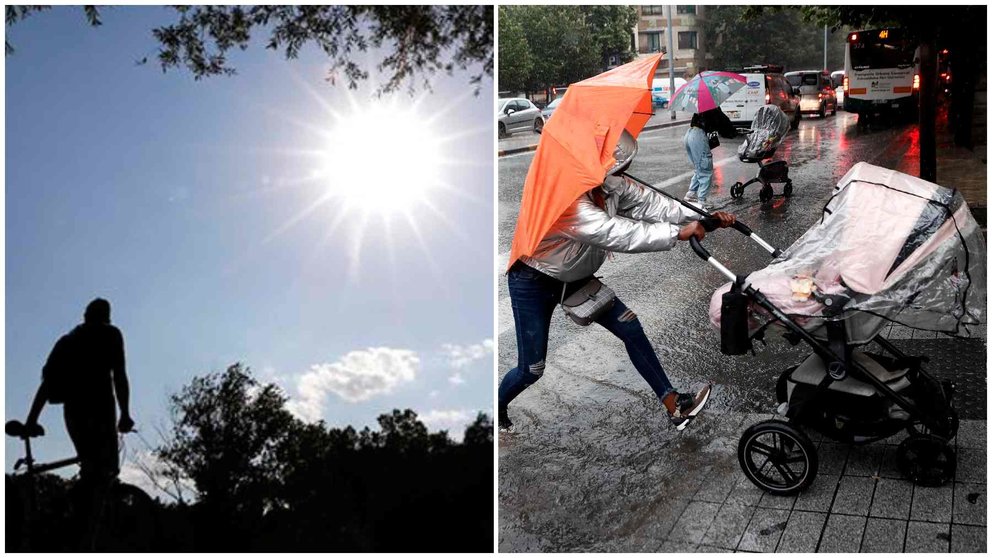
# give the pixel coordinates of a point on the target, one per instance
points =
(634, 219)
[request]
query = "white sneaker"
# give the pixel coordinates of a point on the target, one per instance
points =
(699, 204)
(690, 196)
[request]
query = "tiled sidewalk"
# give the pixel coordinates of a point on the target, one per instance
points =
(858, 503)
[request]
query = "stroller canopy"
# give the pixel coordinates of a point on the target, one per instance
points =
(767, 132)
(903, 249)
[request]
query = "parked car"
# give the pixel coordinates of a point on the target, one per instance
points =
(516, 115)
(765, 86)
(548, 110)
(816, 91)
(661, 91)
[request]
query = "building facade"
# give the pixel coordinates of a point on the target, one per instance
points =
(688, 39)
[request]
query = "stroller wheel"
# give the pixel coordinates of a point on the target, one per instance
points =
(787, 189)
(766, 193)
(952, 422)
(736, 190)
(926, 460)
(777, 457)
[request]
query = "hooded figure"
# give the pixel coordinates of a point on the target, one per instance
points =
(617, 216)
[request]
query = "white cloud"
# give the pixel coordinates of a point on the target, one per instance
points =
(453, 420)
(457, 379)
(357, 376)
(461, 356)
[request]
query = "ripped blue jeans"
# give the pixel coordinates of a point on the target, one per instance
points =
(534, 296)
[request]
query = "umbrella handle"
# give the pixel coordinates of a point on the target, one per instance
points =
(708, 219)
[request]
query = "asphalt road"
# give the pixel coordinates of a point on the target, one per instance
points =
(593, 455)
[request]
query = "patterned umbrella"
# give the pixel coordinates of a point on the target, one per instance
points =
(706, 91)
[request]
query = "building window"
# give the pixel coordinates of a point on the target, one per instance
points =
(652, 10)
(654, 41)
(687, 40)
(685, 10)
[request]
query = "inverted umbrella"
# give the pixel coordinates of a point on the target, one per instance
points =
(706, 91)
(576, 146)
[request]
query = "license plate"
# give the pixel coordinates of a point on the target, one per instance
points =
(879, 101)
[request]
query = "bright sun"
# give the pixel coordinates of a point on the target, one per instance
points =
(380, 167)
(383, 158)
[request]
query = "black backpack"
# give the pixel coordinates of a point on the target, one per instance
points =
(57, 370)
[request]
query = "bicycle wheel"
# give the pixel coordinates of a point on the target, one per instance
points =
(129, 522)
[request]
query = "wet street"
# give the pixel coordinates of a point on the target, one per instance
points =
(593, 464)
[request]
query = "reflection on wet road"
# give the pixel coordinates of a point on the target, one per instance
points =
(594, 464)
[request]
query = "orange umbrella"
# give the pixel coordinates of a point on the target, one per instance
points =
(576, 146)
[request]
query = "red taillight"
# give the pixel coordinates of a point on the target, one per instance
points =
(819, 95)
(916, 81)
(768, 98)
(847, 84)
(854, 37)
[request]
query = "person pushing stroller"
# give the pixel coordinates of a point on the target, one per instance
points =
(617, 216)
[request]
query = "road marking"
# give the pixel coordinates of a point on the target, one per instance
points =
(688, 174)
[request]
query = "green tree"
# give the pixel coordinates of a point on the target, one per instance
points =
(611, 29)
(417, 42)
(742, 36)
(562, 45)
(515, 61)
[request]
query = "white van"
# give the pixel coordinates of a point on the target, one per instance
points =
(762, 89)
(661, 93)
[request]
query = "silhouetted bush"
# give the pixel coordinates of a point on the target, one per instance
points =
(265, 480)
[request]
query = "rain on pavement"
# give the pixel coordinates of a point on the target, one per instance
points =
(593, 464)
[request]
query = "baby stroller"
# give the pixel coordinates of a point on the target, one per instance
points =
(766, 133)
(889, 248)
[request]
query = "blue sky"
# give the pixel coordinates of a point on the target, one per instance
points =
(175, 199)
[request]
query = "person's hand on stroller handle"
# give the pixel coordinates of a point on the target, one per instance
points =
(693, 229)
(725, 219)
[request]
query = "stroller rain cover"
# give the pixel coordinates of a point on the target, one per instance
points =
(904, 250)
(768, 130)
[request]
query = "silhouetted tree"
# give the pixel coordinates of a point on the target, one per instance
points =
(227, 430)
(417, 42)
(268, 481)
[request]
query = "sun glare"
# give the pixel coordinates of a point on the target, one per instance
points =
(380, 175)
(383, 158)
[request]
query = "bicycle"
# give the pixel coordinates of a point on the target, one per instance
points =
(127, 518)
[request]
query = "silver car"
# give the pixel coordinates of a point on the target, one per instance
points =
(546, 112)
(816, 90)
(517, 114)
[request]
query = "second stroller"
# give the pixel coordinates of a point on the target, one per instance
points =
(766, 134)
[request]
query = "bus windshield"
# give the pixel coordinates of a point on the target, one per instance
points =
(870, 51)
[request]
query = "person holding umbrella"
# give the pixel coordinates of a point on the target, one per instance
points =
(703, 94)
(576, 209)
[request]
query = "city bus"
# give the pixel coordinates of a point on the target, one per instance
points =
(881, 74)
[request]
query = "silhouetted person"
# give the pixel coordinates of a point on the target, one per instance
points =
(84, 372)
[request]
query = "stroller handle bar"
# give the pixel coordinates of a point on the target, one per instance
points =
(703, 253)
(708, 221)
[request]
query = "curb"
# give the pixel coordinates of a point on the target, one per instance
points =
(526, 148)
